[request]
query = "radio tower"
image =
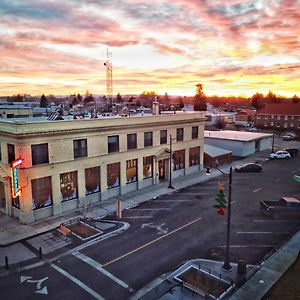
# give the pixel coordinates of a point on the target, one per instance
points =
(109, 83)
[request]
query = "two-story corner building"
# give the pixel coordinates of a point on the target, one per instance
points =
(69, 161)
(281, 116)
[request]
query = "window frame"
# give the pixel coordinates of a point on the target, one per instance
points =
(179, 134)
(195, 135)
(148, 141)
(114, 146)
(131, 143)
(80, 150)
(163, 139)
(38, 188)
(38, 157)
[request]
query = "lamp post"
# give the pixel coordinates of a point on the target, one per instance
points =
(170, 165)
(226, 265)
(273, 140)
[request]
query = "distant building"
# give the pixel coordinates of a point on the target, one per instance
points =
(241, 143)
(245, 117)
(282, 116)
(69, 161)
(15, 109)
(213, 117)
(213, 155)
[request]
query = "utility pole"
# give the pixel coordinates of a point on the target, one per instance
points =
(170, 166)
(109, 81)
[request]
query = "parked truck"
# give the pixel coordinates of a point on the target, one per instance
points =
(286, 206)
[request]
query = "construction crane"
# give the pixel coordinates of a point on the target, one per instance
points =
(109, 83)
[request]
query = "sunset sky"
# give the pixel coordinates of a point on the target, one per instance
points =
(233, 47)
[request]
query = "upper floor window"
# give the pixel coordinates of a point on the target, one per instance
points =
(113, 143)
(80, 148)
(39, 154)
(10, 153)
(194, 132)
(148, 139)
(179, 134)
(163, 137)
(131, 141)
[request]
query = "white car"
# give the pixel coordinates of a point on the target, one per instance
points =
(280, 154)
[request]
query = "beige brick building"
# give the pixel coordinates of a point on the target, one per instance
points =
(65, 163)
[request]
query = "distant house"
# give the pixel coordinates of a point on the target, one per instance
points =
(245, 117)
(282, 116)
(241, 143)
(212, 117)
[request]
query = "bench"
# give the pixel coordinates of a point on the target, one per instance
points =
(64, 230)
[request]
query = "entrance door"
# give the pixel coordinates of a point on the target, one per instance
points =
(162, 169)
(2, 196)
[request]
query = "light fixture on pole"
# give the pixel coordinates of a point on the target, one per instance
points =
(226, 265)
(170, 165)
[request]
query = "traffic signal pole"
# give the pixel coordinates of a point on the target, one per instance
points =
(227, 266)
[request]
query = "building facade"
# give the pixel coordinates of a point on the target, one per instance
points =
(51, 167)
(279, 116)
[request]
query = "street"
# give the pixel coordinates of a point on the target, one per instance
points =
(165, 232)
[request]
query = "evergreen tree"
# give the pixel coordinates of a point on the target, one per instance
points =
(200, 99)
(44, 101)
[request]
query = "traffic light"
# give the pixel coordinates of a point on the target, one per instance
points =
(221, 201)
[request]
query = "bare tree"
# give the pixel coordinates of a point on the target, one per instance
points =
(220, 122)
(84, 206)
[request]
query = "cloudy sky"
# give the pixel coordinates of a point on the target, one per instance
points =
(232, 47)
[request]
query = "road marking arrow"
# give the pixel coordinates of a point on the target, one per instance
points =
(24, 278)
(44, 291)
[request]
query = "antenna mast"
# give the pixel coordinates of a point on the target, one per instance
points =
(109, 83)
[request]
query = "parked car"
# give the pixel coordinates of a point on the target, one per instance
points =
(250, 167)
(288, 136)
(280, 154)
(291, 151)
(252, 129)
(286, 206)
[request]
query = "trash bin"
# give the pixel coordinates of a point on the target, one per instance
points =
(242, 267)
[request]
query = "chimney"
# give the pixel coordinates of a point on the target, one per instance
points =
(155, 107)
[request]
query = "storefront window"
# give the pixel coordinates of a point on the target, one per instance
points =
(113, 175)
(41, 192)
(147, 167)
(131, 170)
(68, 186)
(92, 180)
(178, 159)
(194, 156)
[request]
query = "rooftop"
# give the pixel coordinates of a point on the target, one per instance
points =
(291, 109)
(243, 136)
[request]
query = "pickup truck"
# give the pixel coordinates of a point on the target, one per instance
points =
(286, 206)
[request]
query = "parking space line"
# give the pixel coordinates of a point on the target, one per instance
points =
(248, 246)
(273, 220)
(262, 232)
(99, 268)
(177, 200)
(77, 281)
(162, 208)
(257, 190)
(152, 242)
(138, 217)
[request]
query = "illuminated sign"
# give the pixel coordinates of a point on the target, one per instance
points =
(16, 190)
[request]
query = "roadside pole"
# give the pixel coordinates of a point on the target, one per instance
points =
(119, 209)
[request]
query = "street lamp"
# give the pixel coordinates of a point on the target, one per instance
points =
(273, 140)
(170, 166)
(226, 265)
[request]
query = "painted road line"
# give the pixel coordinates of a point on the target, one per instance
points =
(152, 242)
(277, 179)
(163, 208)
(138, 217)
(257, 190)
(178, 200)
(77, 281)
(99, 268)
(262, 232)
(277, 220)
(249, 246)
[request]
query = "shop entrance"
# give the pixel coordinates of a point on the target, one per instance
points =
(162, 169)
(2, 196)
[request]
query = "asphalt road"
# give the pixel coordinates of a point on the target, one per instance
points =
(165, 232)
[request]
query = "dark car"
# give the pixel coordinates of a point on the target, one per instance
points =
(250, 167)
(292, 151)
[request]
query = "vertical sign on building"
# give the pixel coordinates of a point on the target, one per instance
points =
(16, 189)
